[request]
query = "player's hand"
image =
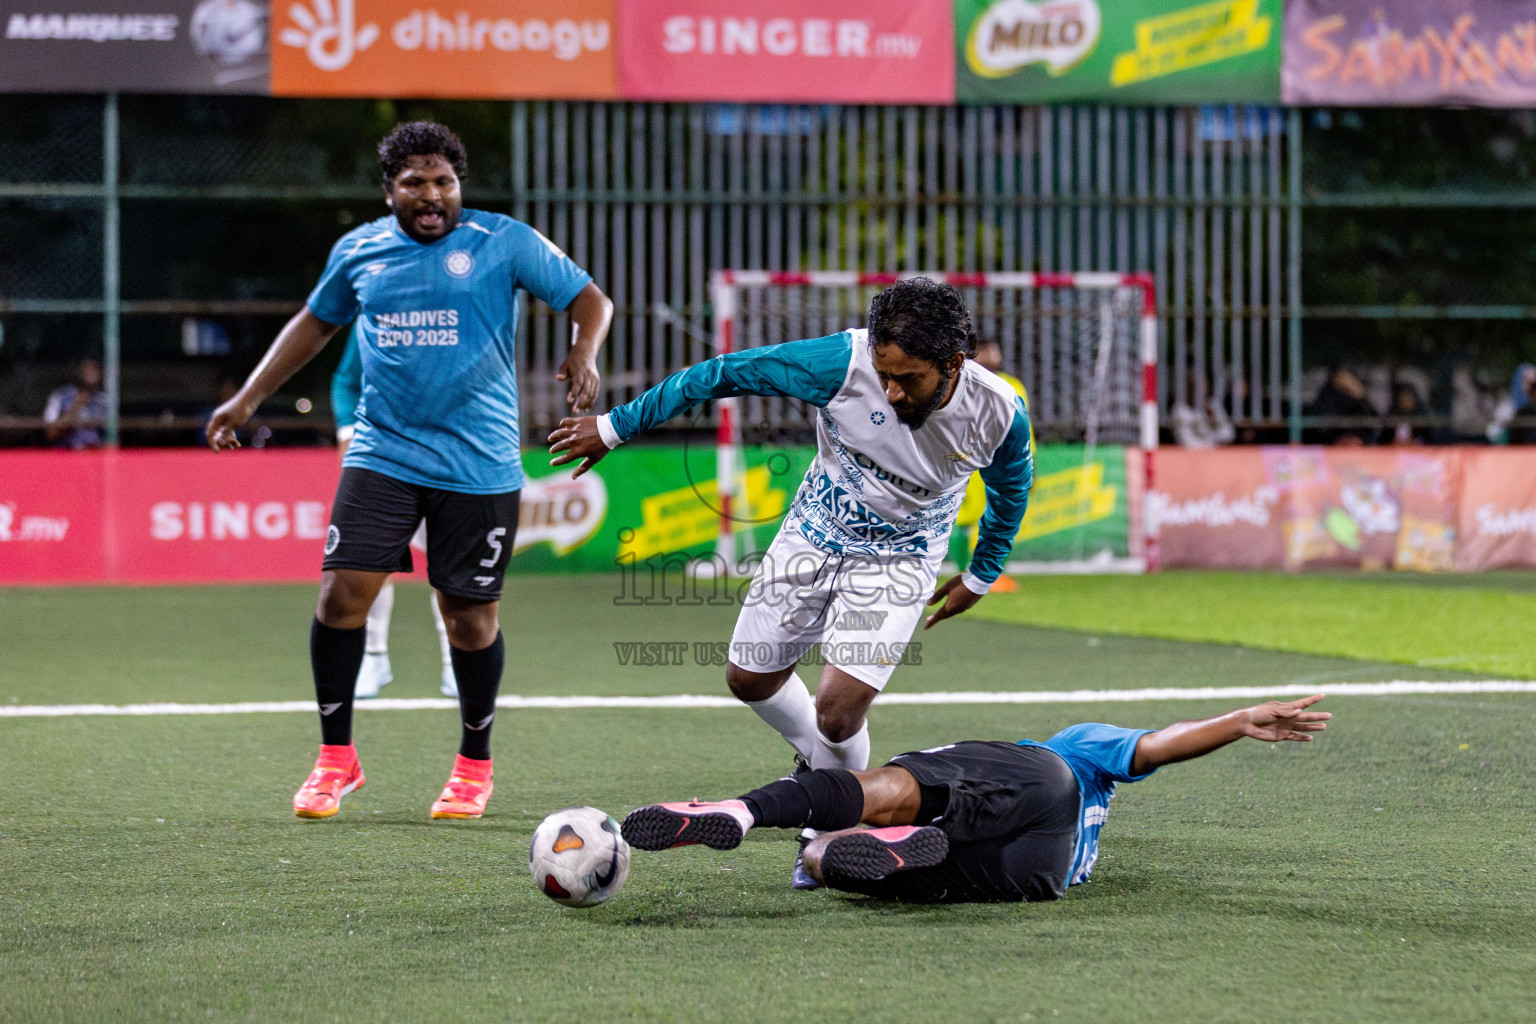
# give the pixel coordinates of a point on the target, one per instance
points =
(957, 597)
(577, 438)
(1275, 721)
(227, 419)
(580, 368)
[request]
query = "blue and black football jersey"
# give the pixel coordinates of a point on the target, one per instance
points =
(435, 328)
(1100, 756)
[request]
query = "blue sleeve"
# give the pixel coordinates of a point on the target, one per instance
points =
(543, 269)
(334, 300)
(347, 384)
(1008, 480)
(812, 370)
(1105, 750)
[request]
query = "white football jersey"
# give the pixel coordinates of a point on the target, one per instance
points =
(878, 487)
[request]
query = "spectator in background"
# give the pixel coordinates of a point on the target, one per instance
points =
(1343, 396)
(1406, 402)
(1522, 387)
(76, 413)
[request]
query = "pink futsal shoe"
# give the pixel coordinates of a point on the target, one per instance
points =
(468, 790)
(337, 773)
(718, 824)
(874, 853)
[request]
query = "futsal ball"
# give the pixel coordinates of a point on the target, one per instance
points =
(578, 857)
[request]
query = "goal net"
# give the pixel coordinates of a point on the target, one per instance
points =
(1084, 345)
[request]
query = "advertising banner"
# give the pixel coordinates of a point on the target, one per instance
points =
(787, 51)
(1129, 51)
(1309, 508)
(52, 522)
(1079, 507)
(1366, 509)
(194, 46)
(1497, 518)
(471, 49)
(1427, 53)
(189, 516)
(1216, 508)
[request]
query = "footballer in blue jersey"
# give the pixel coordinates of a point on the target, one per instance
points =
(965, 822)
(432, 292)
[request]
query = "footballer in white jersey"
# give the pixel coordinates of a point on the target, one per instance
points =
(904, 420)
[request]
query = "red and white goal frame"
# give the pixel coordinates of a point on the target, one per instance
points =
(724, 289)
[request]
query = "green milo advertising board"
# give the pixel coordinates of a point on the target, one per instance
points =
(641, 503)
(1117, 51)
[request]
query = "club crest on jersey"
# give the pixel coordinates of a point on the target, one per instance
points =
(458, 263)
(877, 417)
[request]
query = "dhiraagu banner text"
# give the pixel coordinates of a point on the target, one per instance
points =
(1125, 51)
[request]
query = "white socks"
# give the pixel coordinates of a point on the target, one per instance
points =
(378, 620)
(793, 714)
(442, 629)
(852, 753)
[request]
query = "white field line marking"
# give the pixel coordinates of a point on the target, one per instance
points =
(1394, 688)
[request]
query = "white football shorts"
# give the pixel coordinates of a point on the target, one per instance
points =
(860, 609)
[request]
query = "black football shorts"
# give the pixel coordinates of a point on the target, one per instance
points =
(1011, 820)
(469, 536)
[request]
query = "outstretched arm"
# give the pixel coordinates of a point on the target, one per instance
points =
(1273, 721)
(812, 370)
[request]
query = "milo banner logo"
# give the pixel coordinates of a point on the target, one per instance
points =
(1131, 51)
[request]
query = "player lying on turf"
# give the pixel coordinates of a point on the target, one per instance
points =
(970, 821)
(903, 420)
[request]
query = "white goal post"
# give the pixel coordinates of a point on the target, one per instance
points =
(1087, 342)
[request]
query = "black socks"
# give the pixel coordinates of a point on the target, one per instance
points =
(825, 799)
(479, 676)
(335, 656)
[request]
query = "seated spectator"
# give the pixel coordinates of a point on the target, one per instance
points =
(1407, 402)
(76, 413)
(1522, 387)
(1343, 396)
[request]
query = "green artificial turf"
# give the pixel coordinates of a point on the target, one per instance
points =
(1471, 623)
(151, 868)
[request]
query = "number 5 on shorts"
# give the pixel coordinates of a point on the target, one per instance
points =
(494, 540)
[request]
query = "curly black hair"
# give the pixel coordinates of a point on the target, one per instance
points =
(420, 138)
(924, 318)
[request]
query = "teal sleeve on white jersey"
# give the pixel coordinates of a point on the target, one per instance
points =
(1008, 480)
(435, 331)
(811, 370)
(1100, 756)
(347, 384)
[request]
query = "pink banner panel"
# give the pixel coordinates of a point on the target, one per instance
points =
(1420, 54)
(192, 516)
(1216, 509)
(51, 517)
(788, 51)
(1497, 519)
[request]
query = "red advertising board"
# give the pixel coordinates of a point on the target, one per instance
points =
(787, 51)
(164, 516)
(52, 518)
